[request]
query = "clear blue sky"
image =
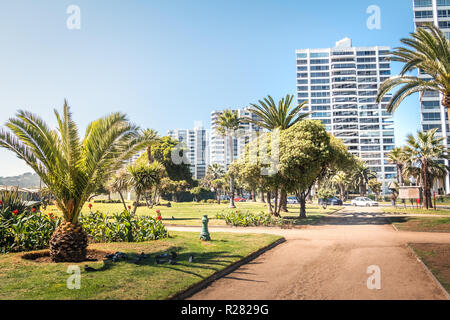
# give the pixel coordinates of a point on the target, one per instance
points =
(168, 63)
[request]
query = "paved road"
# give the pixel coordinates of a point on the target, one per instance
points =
(330, 261)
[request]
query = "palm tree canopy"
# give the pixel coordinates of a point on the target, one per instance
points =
(426, 147)
(72, 168)
(362, 173)
(281, 116)
(228, 123)
(428, 50)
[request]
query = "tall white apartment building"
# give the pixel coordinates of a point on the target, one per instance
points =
(197, 144)
(219, 147)
(341, 85)
(433, 114)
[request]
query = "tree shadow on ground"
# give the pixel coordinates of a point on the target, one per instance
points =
(359, 218)
(213, 260)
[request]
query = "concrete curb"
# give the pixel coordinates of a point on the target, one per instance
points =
(429, 272)
(219, 274)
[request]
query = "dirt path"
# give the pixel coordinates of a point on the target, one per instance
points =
(330, 261)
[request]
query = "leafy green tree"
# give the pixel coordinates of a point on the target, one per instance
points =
(72, 168)
(427, 50)
(375, 186)
(306, 153)
(228, 124)
(423, 153)
(282, 116)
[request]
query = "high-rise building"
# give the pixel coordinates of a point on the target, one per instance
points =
(341, 85)
(196, 143)
(219, 147)
(433, 113)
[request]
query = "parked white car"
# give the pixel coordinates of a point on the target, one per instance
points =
(364, 202)
(292, 200)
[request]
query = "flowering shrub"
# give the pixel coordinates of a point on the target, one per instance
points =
(27, 230)
(246, 219)
(122, 227)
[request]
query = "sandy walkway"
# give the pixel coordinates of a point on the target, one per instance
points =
(329, 261)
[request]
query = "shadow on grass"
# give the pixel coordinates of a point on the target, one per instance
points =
(214, 260)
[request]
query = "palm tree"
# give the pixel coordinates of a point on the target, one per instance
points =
(428, 50)
(282, 116)
(72, 168)
(213, 178)
(423, 153)
(144, 178)
(362, 175)
(119, 184)
(341, 180)
(151, 135)
(228, 124)
(398, 157)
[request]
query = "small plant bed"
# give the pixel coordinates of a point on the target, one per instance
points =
(238, 218)
(422, 224)
(409, 210)
(436, 257)
(125, 279)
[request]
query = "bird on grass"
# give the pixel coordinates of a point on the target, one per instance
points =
(172, 262)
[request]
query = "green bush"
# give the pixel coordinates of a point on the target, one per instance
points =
(225, 201)
(122, 227)
(107, 201)
(210, 201)
(246, 219)
(27, 230)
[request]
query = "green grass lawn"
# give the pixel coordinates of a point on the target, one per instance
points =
(436, 257)
(191, 213)
(422, 224)
(416, 211)
(25, 279)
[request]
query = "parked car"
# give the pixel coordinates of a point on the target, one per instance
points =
(364, 202)
(239, 199)
(292, 200)
(331, 202)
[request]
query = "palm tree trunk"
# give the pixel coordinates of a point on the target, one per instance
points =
(425, 183)
(262, 197)
(232, 205)
(253, 195)
(136, 204)
(123, 201)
